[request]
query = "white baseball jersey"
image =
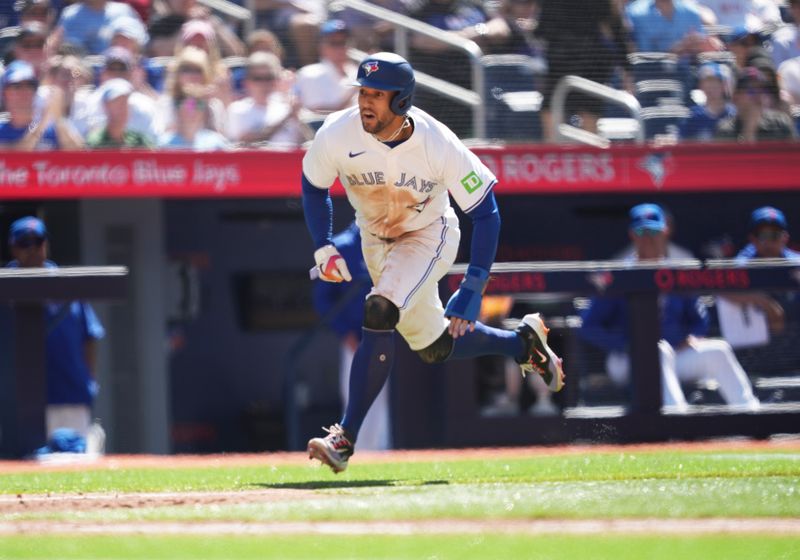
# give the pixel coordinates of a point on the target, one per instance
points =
(401, 189)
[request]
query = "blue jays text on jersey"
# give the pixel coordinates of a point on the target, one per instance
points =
(377, 178)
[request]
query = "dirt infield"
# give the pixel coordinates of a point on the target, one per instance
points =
(55, 503)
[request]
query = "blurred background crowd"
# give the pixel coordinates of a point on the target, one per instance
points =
(222, 74)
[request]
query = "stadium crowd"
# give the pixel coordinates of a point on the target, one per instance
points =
(174, 73)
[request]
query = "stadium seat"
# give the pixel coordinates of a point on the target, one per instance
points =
(663, 120)
(653, 66)
(513, 101)
(652, 93)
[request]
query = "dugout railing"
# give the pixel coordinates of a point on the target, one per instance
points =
(643, 419)
(24, 291)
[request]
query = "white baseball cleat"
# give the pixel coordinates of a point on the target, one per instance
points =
(540, 359)
(333, 450)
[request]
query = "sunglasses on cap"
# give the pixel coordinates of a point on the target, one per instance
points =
(29, 241)
(646, 232)
(768, 235)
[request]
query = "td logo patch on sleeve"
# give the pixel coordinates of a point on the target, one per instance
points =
(471, 182)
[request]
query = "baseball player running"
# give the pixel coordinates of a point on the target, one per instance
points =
(397, 164)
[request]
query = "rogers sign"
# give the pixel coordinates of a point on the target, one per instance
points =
(667, 280)
(555, 167)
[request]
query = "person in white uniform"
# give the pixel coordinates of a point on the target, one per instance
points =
(398, 165)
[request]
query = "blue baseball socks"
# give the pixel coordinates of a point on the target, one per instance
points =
(372, 364)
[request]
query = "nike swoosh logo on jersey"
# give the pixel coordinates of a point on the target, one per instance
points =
(351, 154)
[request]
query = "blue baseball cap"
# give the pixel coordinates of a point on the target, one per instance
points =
(19, 71)
(333, 26)
(29, 226)
(767, 215)
(648, 216)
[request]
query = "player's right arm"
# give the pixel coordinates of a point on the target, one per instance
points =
(319, 169)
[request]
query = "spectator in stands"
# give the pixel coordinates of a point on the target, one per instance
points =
(120, 63)
(671, 26)
(786, 40)
(745, 45)
(768, 238)
(170, 15)
(296, 23)
(755, 120)
(68, 74)
(266, 41)
(190, 68)
(115, 133)
(585, 40)
(128, 33)
(342, 306)
(752, 14)
(789, 78)
(200, 34)
(86, 24)
(22, 131)
(191, 132)
(716, 83)
(266, 114)
(164, 32)
(73, 330)
(40, 11)
(521, 19)
(327, 85)
(29, 45)
(685, 354)
(143, 8)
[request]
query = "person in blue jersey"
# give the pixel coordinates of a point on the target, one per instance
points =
(716, 82)
(399, 166)
(87, 24)
(22, 131)
(768, 238)
(72, 330)
(686, 354)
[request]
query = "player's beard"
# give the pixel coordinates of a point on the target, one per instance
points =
(376, 125)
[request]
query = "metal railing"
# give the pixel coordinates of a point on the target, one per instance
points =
(403, 26)
(566, 132)
(245, 15)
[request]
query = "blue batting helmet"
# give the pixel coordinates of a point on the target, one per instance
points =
(390, 72)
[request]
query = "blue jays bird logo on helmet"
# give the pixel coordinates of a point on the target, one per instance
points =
(389, 72)
(370, 66)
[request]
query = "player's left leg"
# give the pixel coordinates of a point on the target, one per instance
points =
(527, 345)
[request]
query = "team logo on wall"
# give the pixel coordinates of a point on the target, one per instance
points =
(601, 280)
(658, 166)
(370, 66)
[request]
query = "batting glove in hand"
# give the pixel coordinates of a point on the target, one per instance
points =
(331, 265)
(465, 303)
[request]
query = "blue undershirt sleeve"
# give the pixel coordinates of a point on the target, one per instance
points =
(485, 232)
(318, 210)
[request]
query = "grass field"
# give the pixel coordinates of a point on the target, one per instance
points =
(732, 502)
